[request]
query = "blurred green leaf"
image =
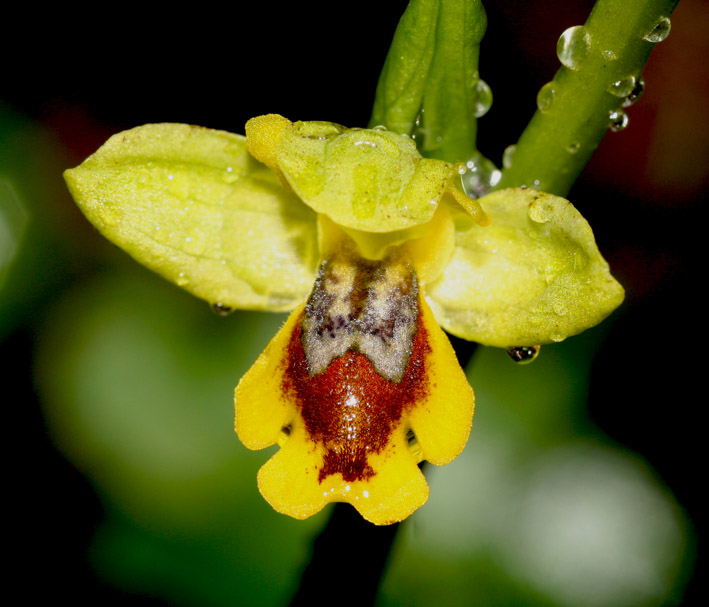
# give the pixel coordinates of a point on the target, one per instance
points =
(137, 381)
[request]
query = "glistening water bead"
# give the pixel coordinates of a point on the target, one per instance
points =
(660, 30)
(573, 46)
(634, 95)
(618, 121)
(523, 354)
(623, 87)
(483, 100)
(221, 309)
(545, 97)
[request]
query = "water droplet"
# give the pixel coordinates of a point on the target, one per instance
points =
(560, 308)
(634, 95)
(557, 337)
(609, 55)
(419, 133)
(660, 30)
(573, 148)
(618, 120)
(182, 280)
(539, 211)
(545, 97)
(483, 99)
(623, 87)
(379, 127)
(480, 176)
(508, 155)
(523, 355)
(222, 309)
(573, 46)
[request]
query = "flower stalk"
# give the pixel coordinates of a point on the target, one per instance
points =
(602, 63)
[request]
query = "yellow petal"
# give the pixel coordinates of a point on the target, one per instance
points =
(262, 410)
(533, 276)
(442, 420)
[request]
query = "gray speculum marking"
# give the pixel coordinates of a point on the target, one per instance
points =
(362, 305)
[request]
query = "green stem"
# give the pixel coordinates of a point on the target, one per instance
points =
(575, 108)
(429, 87)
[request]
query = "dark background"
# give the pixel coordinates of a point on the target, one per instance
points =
(82, 77)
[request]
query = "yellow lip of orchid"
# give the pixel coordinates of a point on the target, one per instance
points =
(372, 248)
(358, 386)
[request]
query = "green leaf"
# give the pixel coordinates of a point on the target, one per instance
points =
(191, 204)
(534, 276)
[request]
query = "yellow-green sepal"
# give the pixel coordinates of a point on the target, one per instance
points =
(533, 276)
(365, 179)
(193, 205)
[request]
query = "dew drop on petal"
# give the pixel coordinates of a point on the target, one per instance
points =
(623, 87)
(573, 46)
(609, 55)
(523, 354)
(634, 95)
(539, 212)
(483, 98)
(659, 31)
(618, 120)
(221, 309)
(545, 97)
(573, 148)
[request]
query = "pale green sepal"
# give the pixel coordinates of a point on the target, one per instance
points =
(193, 205)
(365, 179)
(533, 276)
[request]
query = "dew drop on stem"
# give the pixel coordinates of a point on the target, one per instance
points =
(634, 95)
(573, 46)
(623, 87)
(546, 96)
(659, 31)
(618, 121)
(483, 98)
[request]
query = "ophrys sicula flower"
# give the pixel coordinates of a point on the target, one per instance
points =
(372, 247)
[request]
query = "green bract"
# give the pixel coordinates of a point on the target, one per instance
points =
(195, 206)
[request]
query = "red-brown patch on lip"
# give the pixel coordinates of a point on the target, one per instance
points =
(349, 408)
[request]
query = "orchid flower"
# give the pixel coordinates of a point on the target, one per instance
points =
(374, 250)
